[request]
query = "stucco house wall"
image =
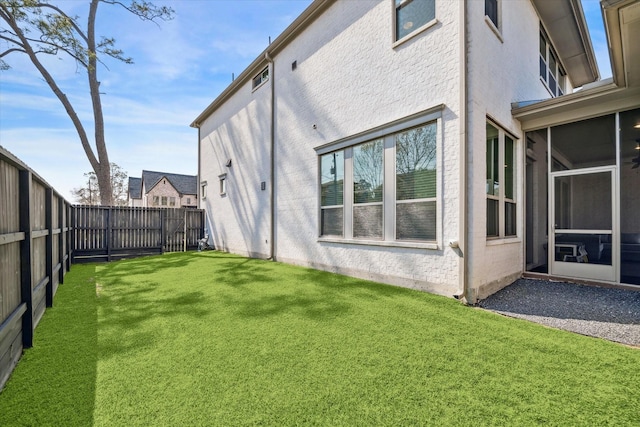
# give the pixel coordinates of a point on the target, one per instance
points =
(239, 219)
(165, 189)
(339, 77)
(503, 68)
(349, 79)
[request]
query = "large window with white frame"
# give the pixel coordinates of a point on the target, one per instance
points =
(551, 71)
(412, 16)
(382, 189)
(500, 183)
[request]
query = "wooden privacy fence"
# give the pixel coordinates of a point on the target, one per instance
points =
(35, 254)
(41, 234)
(108, 233)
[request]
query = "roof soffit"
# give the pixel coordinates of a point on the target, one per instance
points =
(566, 26)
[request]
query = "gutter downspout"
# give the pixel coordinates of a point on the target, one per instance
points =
(465, 292)
(272, 143)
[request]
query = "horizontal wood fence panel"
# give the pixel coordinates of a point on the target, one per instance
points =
(11, 342)
(33, 257)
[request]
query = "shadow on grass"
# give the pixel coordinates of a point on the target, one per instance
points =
(264, 288)
(129, 300)
(55, 382)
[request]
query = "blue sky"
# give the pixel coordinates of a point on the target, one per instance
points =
(180, 67)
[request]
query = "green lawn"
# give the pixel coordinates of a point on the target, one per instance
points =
(214, 339)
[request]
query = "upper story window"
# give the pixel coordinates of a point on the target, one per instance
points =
(412, 15)
(261, 78)
(491, 11)
(551, 72)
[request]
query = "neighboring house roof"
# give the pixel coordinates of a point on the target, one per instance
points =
(135, 188)
(184, 184)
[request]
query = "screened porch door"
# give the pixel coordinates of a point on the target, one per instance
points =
(582, 222)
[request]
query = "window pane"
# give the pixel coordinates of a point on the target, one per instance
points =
(367, 172)
(552, 84)
(493, 184)
(492, 217)
(491, 10)
(509, 219)
(416, 163)
(367, 221)
(332, 179)
(416, 221)
(543, 47)
(553, 65)
(509, 166)
(412, 15)
(331, 222)
(543, 69)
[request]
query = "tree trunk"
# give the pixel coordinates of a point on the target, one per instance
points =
(103, 172)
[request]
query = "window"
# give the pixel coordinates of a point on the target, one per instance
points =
(156, 200)
(331, 193)
(551, 72)
(368, 189)
(261, 78)
(416, 184)
(203, 190)
(500, 183)
(383, 188)
(491, 11)
(188, 200)
(172, 201)
(412, 15)
(223, 184)
(164, 201)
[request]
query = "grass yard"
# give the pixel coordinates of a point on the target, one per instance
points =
(212, 339)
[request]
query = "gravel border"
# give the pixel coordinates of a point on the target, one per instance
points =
(612, 314)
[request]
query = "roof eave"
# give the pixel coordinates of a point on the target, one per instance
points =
(567, 32)
(309, 15)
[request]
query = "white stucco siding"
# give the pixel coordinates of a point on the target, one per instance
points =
(238, 131)
(350, 79)
(501, 70)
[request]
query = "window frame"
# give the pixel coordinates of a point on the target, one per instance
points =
(497, 22)
(394, 15)
(260, 79)
(388, 133)
(558, 73)
(223, 184)
(203, 190)
(501, 198)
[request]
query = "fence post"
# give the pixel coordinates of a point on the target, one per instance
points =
(73, 235)
(48, 223)
(184, 236)
(26, 290)
(61, 225)
(109, 234)
(163, 229)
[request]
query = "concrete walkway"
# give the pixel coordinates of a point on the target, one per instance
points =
(612, 314)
